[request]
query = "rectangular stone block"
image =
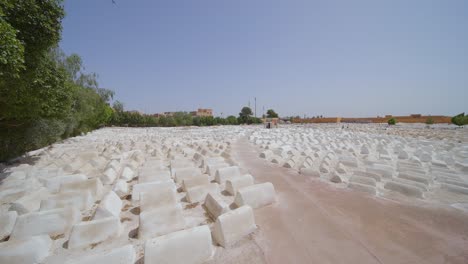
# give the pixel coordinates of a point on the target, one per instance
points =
(30, 202)
(121, 188)
(7, 222)
(195, 181)
(151, 176)
(53, 184)
(234, 225)
(122, 255)
(110, 205)
(160, 222)
(212, 168)
(180, 163)
(164, 197)
(223, 174)
(187, 246)
(94, 186)
(256, 196)
(198, 193)
(25, 251)
(90, 232)
(404, 189)
(211, 161)
(150, 187)
(81, 200)
(181, 174)
(51, 222)
(215, 206)
(234, 184)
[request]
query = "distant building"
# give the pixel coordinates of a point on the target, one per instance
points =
(270, 122)
(199, 112)
(202, 112)
(169, 113)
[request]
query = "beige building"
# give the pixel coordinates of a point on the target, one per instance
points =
(202, 112)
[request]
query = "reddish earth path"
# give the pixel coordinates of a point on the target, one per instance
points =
(315, 222)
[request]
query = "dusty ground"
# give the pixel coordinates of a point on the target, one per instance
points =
(315, 222)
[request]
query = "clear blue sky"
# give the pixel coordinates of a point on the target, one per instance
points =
(331, 58)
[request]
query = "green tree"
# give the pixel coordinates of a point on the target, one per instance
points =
(231, 120)
(12, 55)
(429, 121)
(44, 94)
(392, 121)
(244, 115)
(271, 113)
(196, 121)
(460, 119)
(118, 106)
(170, 122)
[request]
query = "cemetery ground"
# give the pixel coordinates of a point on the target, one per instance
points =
(360, 193)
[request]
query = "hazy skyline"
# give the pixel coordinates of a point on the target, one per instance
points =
(331, 58)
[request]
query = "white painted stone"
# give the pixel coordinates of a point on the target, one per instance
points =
(127, 174)
(404, 189)
(181, 174)
(198, 193)
(73, 166)
(310, 172)
(364, 150)
(31, 202)
(52, 222)
(110, 205)
(121, 188)
(289, 164)
(195, 181)
(161, 221)
(7, 222)
(335, 178)
(154, 175)
(187, 246)
(81, 200)
(215, 206)
(223, 174)
(234, 225)
(180, 163)
(25, 251)
(212, 168)
(109, 176)
(341, 168)
(121, 255)
(94, 186)
(150, 187)
(163, 197)
(256, 196)
(53, 184)
(90, 232)
(234, 184)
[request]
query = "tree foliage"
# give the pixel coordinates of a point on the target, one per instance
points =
(392, 121)
(245, 115)
(429, 121)
(136, 119)
(460, 119)
(45, 95)
(271, 113)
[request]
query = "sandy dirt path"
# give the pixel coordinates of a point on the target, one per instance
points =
(315, 222)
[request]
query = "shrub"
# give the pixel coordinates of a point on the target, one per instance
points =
(392, 121)
(429, 121)
(460, 119)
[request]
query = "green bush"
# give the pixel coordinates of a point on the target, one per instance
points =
(429, 121)
(460, 119)
(392, 121)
